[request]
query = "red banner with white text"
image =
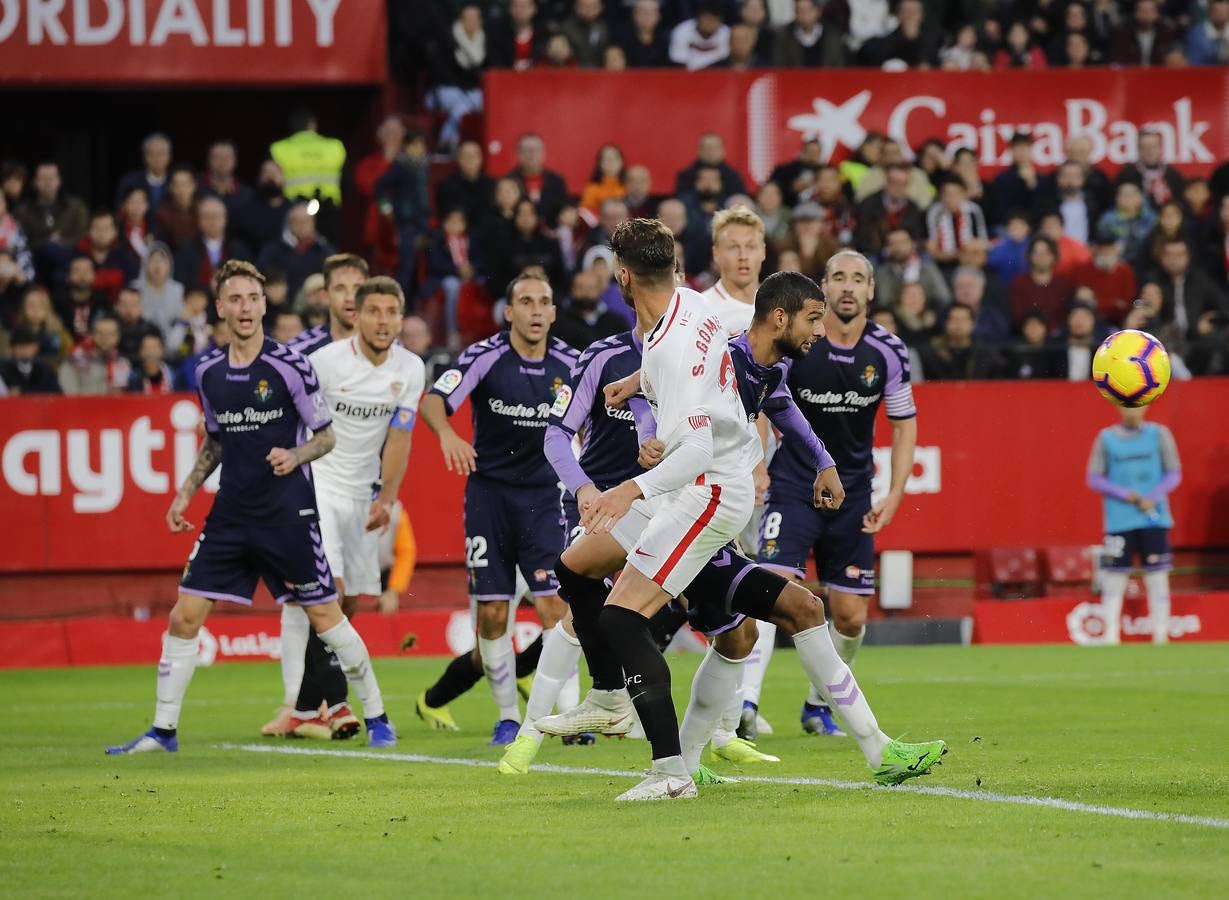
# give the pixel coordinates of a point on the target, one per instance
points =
(85, 482)
(656, 116)
(1192, 617)
(190, 42)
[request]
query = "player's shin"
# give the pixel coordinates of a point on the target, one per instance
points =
(716, 681)
(757, 662)
(295, 631)
(727, 725)
(1157, 585)
(586, 597)
(499, 664)
(824, 667)
(1113, 588)
(557, 664)
(356, 663)
(175, 670)
(846, 646)
(648, 683)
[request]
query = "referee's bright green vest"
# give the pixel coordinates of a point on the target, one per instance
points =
(311, 164)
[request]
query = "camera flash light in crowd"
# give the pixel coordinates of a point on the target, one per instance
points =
(1131, 368)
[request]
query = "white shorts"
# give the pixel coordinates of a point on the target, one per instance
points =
(353, 553)
(671, 538)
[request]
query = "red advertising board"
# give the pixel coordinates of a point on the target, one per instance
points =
(160, 42)
(1193, 617)
(85, 482)
(656, 116)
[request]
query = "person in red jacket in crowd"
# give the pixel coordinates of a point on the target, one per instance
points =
(1041, 288)
(1072, 252)
(378, 234)
(132, 221)
(1111, 279)
(114, 264)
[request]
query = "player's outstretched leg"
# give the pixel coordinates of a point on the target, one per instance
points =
(499, 665)
(714, 682)
(727, 745)
(175, 670)
(339, 635)
(556, 666)
(323, 685)
(295, 631)
(817, 715)
(461, 674)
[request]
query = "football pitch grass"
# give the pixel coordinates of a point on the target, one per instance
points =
(1073, 772)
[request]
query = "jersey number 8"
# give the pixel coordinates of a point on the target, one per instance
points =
(772, 526)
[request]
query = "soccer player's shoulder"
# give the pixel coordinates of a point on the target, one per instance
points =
(407, 361)
(209, 361)
(881, 335)
(494, 343)
(560, 346)
(284, 355)
(311, 340)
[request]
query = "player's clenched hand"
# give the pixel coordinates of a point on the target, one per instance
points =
(650, 453)
(379, 516)
(761, 483)
(388, 602)
(619, 392)
(174, 516)
(829, 492)
(459, 456)
(609, 507)
(881, 514)
(283, 461)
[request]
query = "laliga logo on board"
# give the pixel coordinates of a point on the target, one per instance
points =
(1086, 625)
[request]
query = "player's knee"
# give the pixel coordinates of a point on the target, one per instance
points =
(185, 621)
(797, 609)
(492, 620)
(737, 643)
(551, 610)
(849, 618)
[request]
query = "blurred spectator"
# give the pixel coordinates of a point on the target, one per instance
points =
(797, 176)
(742, 49)
(13, 182)
(697, 244)
(175, 215)
(1170, 226)
(1077, 53)
(753, 14)
(1192, 301)
(887, 319)
(497, 224)
(1019, 51)
(1130, 221)
(311, 165)
(1216, 253)
(13, 240)
(311, 301)
(963, 54)
(1015, 187)
(78, 302)
(1161, 183)
(1076, 204)
(402, 196)
(468, 188)
(613, 214)
(528, 246)
(1145, 40)
(645, 42)
(26, 372)
(114, 264)
(416, 335)
(710, 151)
(868, 19)
(378, 235)
(789, 261)
(197, 260)
(277, 296)
(1104, 16)
(1080, 339)
(955, 355)
(514, 41)
(568, 231)
(300, 251)
(1072, 254)
(96, 366)
(775, 214)
(12, 284)
(600, 262)
(807, 42)
(933, 160)
(134, 223)
(1207, 42)
(919, 189)
(544, 187)
(606, 182)
(37, 317)
(913, 43)
(1041, 288)
(705, 196)
(809, 240)
(965, 167)
(161, 295)
(287, 325)
(189, 334)
(559, 53)
(954, 222)
(218, 179)
(1197, 203)
(638, 192)
(453, 260)
(264, 220)
(1079, 151)
(868, 156)
(990, 324)
(902, 265)
(1033, 356)
(1111, 280)
(839, 215)
(587, 32)
(916, 319)
(219, 337)
(584, 318)
(1145, 315)
(152, 176)
(133, 326)
(51, 216)
(458, 92)
(702, 41)
(1008, 256)
(889, 208)
(151, 374)
(1059, 48)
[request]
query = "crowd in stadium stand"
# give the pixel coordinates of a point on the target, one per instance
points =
(1015, 277)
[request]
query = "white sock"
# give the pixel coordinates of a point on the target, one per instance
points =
(757, 662)
(556, 666)
(823, 666)
(814, 697)
(295, 630)
(847, 647)
(716, 680)
(499, 664)
(356, 663)
(1157, 585)
(671, 765)
(731, 717)
(175, 670)
(569, 694)
(1113, 588)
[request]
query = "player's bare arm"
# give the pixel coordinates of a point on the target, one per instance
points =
(393, 462)
(762, 479)
(619, 392)
(904, 441)
(458, 453)
(207, 459)
(284, 461)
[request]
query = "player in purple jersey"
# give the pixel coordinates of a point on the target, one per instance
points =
(260, 399)
(311, 675)
(839, 387)
(512, 512)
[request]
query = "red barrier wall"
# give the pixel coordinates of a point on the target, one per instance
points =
(1193, 617)
(86, 481)
(656, 116)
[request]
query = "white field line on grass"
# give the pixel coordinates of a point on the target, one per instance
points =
(1115, 812)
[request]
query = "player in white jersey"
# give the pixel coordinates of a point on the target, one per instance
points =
(667, 523)
(372, 386)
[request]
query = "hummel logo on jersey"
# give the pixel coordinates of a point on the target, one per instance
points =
(836, 357)
(698, 422)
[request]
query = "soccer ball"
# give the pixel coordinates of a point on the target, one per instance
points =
(1131, 368)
